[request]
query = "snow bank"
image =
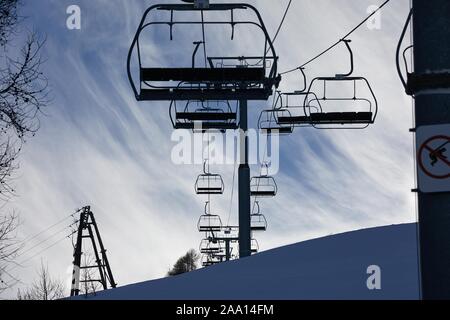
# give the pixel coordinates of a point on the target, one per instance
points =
(333, 267)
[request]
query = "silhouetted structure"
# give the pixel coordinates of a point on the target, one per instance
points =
(87, 229)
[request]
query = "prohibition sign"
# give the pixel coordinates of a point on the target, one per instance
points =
(432, 154)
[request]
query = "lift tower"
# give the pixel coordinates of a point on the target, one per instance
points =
(244, 77)
(430, 84)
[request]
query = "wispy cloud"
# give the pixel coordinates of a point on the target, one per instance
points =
(98, 146)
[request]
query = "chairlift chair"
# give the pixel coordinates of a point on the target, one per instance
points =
(209, 222)
(298, 113)
(203, 116)
(320, 112)
(268, 119)
(209, 183)
(263, 186)
(222, 78)
(210, 260)
(258, 221)
(254, 247)
(298, 109)
(210, 246)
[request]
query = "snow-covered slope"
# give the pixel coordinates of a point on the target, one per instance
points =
(334, 267)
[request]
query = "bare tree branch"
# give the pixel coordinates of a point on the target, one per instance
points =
(44, 288)
(9, 247)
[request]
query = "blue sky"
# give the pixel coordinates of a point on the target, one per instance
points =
(98, 146)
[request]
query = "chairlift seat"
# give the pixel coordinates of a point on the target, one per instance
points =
(206, 126)
(206, 116)
(259, 193)
(341, 117)
(204, 74)
(282, 130)
(211, 93)
(209, 190)
(258, 228)
(294, 120)
(211, 228)
(210, 250)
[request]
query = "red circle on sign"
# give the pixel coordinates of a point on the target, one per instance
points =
(421, 164)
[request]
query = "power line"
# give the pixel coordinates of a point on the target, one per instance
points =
(50, 227)
(339, 41)
(43, 250)
(45, 240)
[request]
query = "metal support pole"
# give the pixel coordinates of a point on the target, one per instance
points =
(109, 274)
(227, 250)
(244, 184)
(432, 55)
(75, 289)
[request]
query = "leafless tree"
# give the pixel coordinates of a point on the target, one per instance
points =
(89, 285)
(9, 247)
(23, 88)
(23, 94)
(8, 19)
(44, 288)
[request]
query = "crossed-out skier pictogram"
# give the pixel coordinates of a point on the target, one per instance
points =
(432, 157)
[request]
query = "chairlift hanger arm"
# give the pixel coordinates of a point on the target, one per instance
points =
(305, 86)
(347, 44)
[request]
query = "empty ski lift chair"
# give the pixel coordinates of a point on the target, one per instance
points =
(210, 246)
(268, 123)
(203, 116)
(209, 183)
(209, 222)
(254, 247)
(221, 78)
(327, 112)
(210, 260)
(297, 108)
(263, 186)
(258, 221)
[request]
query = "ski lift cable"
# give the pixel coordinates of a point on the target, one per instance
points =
(279, 28)
(339, 41)
(204, 39)
(274, 102)
(281, 23)
(232, 193)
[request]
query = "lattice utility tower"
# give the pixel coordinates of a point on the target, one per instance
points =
(88, 229)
